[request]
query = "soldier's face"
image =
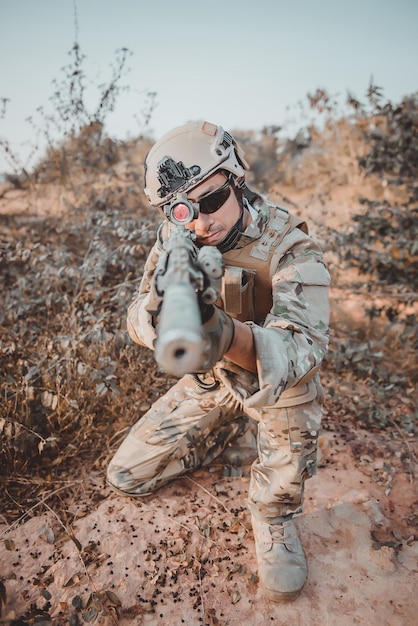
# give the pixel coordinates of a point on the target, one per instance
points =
(211, 228)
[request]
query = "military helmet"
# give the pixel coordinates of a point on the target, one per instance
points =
(186, 156)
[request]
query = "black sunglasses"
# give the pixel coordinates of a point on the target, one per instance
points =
(215, 200)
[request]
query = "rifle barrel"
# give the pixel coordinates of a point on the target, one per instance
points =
(178, 349)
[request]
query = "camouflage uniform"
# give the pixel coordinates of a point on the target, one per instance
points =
(190, 426)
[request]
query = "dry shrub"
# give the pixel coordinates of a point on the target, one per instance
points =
(68, 373)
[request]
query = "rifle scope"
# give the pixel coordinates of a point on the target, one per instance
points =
(181, 211)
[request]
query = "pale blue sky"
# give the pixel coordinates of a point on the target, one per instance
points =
(239, 63)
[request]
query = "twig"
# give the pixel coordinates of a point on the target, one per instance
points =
(125, 283)
(216, 500)
(71, 535)
(210, 494)
(202, 598)
(17, 423)
(190, 529)
(43, 501)
(376, 294)
(406, 442)
(76, 544)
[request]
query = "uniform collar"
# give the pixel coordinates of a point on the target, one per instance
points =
(259, 212)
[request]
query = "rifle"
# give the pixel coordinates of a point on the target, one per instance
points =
(188, 278)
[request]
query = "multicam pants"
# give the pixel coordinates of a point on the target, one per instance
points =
(189, 427)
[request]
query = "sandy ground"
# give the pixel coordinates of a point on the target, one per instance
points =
(187, 555)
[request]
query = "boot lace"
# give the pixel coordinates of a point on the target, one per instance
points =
(277, 534)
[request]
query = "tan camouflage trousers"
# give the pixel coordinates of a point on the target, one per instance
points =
(189, 427)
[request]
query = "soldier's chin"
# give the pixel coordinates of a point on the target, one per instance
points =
(211, 240)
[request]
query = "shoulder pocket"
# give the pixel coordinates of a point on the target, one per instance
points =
(311, 273)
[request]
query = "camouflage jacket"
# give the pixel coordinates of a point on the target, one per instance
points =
(291, 335)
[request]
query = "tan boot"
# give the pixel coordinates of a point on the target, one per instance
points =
(282, 568)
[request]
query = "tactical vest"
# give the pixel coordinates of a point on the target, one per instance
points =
(247, 291)
(246, 286)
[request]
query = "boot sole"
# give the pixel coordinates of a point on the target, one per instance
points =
(281, 596)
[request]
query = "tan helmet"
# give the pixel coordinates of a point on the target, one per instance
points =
(186, 156)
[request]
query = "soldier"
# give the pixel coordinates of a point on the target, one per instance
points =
(267, 337)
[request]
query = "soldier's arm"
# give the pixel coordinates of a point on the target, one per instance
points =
(242, 350)
(294, 338)
(140, 323)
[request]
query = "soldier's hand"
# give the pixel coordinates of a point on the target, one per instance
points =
(218, 335)
(156, 294)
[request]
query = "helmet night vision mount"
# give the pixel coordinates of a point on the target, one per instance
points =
(188, 155)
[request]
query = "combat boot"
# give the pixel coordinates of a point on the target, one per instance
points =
(282, 568)
(241, 450)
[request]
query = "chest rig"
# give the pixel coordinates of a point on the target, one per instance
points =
(246, 286)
